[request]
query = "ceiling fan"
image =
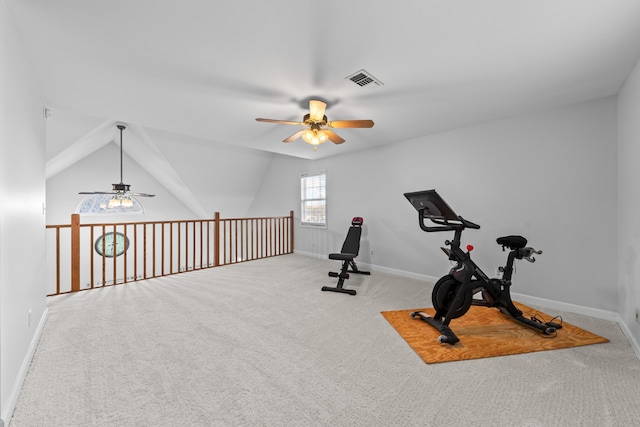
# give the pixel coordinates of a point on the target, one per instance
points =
(316, 133)
(121, 192)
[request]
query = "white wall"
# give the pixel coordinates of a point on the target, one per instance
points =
(22, 194)
(550, 176)
(629, 202)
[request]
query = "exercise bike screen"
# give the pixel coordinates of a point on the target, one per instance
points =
(434, 206)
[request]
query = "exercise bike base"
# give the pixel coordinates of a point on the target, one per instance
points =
(341, 290)
(447, 337)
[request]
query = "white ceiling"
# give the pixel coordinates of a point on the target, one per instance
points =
(208, 68)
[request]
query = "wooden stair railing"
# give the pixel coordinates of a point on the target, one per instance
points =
(158, 248)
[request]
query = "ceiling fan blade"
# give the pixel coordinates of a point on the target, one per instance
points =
(97, 192)
(334, 137)
(294, 136)
(351, 124)
(282, 122)
(116, 192)
(316, 110)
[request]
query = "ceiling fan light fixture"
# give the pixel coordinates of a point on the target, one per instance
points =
(322, 136)
(307, 136)
(120, 200)
(314, 136)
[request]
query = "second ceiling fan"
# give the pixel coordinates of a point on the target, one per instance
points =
(122, 195)
(316, 132)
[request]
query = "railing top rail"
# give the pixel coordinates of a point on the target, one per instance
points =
(179, 221)
(256, 217)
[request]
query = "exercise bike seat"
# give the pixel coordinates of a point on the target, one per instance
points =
(512, 242)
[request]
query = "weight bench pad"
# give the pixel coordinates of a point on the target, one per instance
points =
(343, 257)
(351, 245)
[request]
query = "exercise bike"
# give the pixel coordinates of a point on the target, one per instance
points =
(453, 294)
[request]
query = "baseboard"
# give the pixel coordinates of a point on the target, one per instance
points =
(401, 273)
(309, 254)
(373, 267)
(563, 306)
(17, 387)
(632, 341)
(587, 311)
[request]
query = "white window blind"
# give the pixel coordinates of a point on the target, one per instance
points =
(314, 199)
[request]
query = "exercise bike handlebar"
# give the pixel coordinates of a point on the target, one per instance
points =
(444, 224)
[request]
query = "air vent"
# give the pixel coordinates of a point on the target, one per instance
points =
(364, 78)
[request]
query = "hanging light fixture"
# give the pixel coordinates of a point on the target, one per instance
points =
(122, 196)
(120, 200)
(315, 136)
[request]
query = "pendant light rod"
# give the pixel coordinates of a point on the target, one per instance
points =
(121, 127)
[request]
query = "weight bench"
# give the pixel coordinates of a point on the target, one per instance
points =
(347, 255)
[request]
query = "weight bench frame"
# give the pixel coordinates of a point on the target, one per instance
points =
(347, 255)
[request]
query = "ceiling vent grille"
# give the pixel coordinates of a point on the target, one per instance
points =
(364, 78)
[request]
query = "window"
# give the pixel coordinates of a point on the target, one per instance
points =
(314, 199)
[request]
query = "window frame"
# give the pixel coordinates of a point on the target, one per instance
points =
(303, 212)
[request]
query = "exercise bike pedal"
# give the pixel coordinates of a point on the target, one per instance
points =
(333, 274)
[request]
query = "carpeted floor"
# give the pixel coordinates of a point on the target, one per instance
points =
(485, 332)
(259, 344)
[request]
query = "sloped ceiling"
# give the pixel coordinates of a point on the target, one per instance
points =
(202, 175)
(206, 69)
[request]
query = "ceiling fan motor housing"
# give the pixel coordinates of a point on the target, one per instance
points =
(121, 187)
(307, 120)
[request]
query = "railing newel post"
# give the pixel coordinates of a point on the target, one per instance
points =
(291, 231)
(75, 252)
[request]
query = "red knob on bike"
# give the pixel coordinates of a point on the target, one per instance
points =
(469, 248)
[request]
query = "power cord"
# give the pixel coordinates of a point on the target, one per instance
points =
(551, 323)
(554, 324)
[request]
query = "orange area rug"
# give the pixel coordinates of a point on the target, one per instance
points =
(484, 332)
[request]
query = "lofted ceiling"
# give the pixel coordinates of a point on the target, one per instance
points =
(206, 69)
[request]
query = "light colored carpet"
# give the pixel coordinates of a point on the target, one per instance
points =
(485, 332)
(259, 344)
